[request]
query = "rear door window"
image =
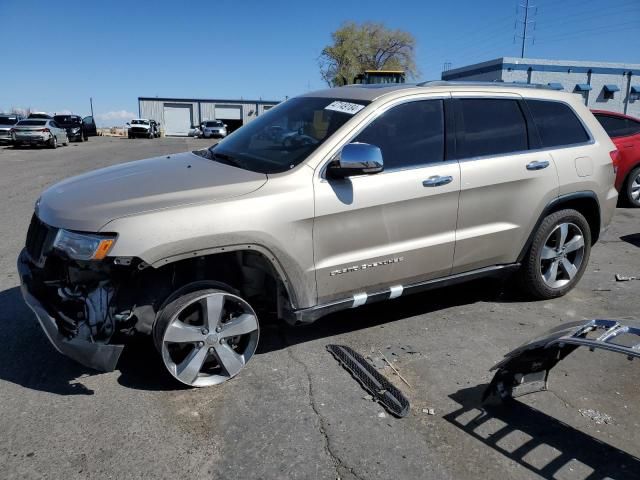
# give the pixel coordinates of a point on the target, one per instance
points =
(557, 123)
(618, 127)
(490, 126)
(409, 135)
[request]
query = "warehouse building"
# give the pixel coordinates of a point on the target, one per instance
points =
(604, 86)
(177, 115)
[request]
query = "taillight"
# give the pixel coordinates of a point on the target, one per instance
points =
(615, 159)
(45, 130)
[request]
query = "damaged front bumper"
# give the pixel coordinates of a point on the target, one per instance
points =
(99, 356)
(526, 369)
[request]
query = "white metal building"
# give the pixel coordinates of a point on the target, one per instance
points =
(177, 115)
(604, 86)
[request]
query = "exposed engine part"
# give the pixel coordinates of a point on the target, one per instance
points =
(93, 319)
(526, 369)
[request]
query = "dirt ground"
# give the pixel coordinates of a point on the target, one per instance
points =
(294, 412)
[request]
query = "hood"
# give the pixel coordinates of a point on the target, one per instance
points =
(88, 202)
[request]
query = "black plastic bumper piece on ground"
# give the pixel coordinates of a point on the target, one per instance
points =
(371, 380)
(526, 369)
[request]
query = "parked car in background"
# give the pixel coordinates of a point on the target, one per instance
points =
(625, 133)
(143, 127)
(7, 121)
(195, 131)
(41, 115)
(89, 126)
(213, 129)
(39, 131)
(73, 125)
(404, 188)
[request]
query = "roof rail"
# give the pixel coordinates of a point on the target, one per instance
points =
(472, 83)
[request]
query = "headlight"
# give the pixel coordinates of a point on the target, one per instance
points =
(75, 130)
(83, 246)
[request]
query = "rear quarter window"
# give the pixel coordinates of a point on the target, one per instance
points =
(557, 123)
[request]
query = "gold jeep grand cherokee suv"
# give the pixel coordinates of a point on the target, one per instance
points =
(329, 201)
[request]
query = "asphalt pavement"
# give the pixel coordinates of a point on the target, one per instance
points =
(293, 412)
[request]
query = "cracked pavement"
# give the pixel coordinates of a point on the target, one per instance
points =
(294, 412)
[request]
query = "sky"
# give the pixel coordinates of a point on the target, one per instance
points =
(55, 55)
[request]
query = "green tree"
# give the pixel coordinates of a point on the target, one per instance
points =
(367, 46)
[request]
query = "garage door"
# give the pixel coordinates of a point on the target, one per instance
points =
(229, 112)
(177, 120)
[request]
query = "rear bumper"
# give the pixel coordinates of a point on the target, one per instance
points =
(33, 139)
(609, 207)
(98, 356)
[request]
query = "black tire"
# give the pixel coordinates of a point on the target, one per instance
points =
(53, 143)
(531, 276)
(81, 139)
(629, 186)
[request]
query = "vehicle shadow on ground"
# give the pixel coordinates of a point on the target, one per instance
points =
(529, 429)
(277, 335)
(26, 356)
(28, 359)
(633, 239)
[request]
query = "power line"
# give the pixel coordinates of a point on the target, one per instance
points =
(556, 22)
(620, 27)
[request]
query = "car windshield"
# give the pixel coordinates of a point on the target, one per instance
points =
(213, 124)
(281, 138)
(32, 123)
(67, 119)
(8, 120)
(139, 122)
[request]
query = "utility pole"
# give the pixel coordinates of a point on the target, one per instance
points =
(525, 23)
(91, 102)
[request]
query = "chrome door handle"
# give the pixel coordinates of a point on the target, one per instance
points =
(537, 165)
(437, 181)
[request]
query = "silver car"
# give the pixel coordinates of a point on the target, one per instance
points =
(214, 129)
(7, 122)
(35, 131)
(376, 193)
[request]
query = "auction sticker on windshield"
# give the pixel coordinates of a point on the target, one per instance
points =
(344, 107)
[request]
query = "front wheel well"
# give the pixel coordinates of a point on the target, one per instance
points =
(249, 273)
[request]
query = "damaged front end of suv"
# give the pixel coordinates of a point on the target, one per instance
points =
(75, 291)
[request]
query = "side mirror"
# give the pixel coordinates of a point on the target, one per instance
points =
(356, 159)
(225, 125)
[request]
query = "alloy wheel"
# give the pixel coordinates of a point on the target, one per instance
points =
(562, 255)
(210, 339)
(635, 189)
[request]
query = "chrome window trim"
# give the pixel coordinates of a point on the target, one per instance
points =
(591, 140)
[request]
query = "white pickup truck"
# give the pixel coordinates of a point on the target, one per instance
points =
(142, 127)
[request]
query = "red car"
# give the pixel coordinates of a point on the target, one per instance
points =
(625, 133)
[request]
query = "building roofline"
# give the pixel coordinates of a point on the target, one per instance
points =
(209, 100)
(541, 64)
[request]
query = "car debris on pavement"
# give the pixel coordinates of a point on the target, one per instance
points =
(381, 389)
(526, 369)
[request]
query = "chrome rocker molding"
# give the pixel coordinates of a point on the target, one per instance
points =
(310, 315)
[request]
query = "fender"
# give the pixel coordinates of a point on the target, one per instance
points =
(273, 260)
(552, 206)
